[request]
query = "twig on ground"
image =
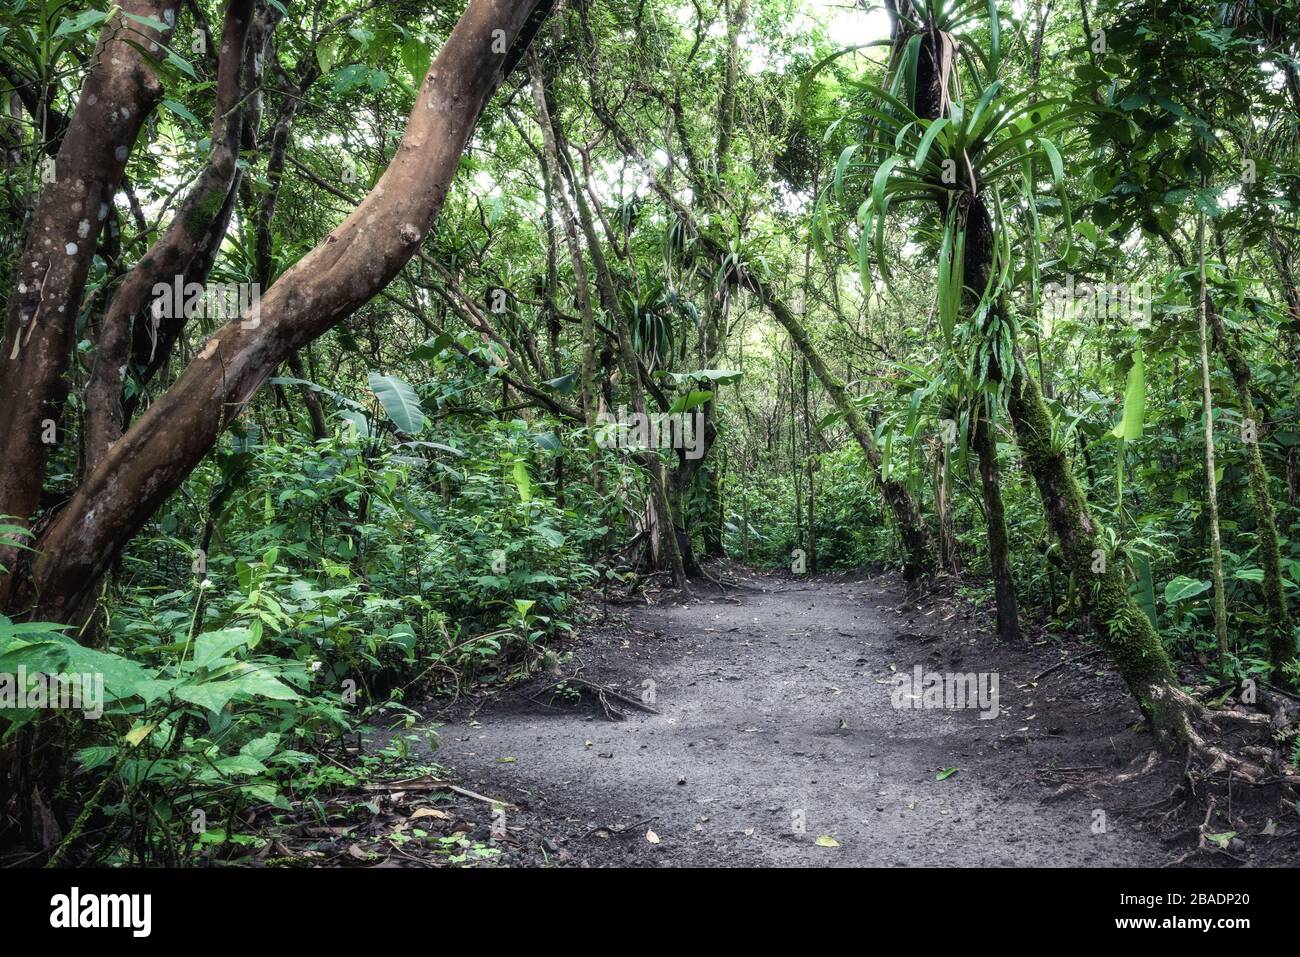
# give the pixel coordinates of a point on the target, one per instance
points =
(620, 831)
(1067, 661)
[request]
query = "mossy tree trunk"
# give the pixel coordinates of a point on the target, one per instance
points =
(984, 441)
(1281, 627)
(1125, 633)
(978, 266)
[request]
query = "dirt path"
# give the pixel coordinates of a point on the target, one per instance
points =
(775, 709)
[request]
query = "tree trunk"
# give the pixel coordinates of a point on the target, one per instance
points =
(119, 93)
(916, 539)
(609, 302)
(1281, 627)
(555, 177)
(1004, 586)
(354, 262)
(157, 453)
(319, 427)
(911, 529)
(1125, 633)
(1211, 481)
(180, 256)
(713, 547)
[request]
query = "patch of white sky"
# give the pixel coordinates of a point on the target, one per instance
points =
(824, 24)
(837, 23)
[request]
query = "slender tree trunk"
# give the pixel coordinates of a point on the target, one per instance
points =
(1281, 626)
(911, 529)
(918, 559)
(319, 427)
(812, 520)
(808, 461)
(713, 547)
(949, 560)
(1211, 481)
(582, 289)
(263, 216)
(735, 12)
(930, 99)
(1004, 587)
(650, 459)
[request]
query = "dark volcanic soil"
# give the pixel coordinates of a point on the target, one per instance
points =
(775, 727)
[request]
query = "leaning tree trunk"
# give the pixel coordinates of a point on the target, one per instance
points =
(562, 173)
(1125, 633)
(911, 527)
(918, 559)
(141, 470)
(356, 261)
(181, 255)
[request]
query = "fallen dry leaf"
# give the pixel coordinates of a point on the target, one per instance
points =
(429, 812)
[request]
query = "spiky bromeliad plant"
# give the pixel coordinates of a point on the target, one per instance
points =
(923, 140)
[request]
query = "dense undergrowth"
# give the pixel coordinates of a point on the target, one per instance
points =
(376, 570)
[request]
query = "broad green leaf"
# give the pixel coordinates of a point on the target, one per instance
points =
(182, 111)
(523, 481)
(81, 22)
(564, 385)
(1181, 588)
(1135, 402)
(399, 401)
(214, 645)
(692, 400)
(212, 695)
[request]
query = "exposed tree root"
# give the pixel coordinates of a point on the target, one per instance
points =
(1248, 762)
(1153, 759)
(1203, 846)
(1248, 757)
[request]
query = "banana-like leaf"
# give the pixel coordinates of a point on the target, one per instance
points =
(399, 401)
(1135, 402)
